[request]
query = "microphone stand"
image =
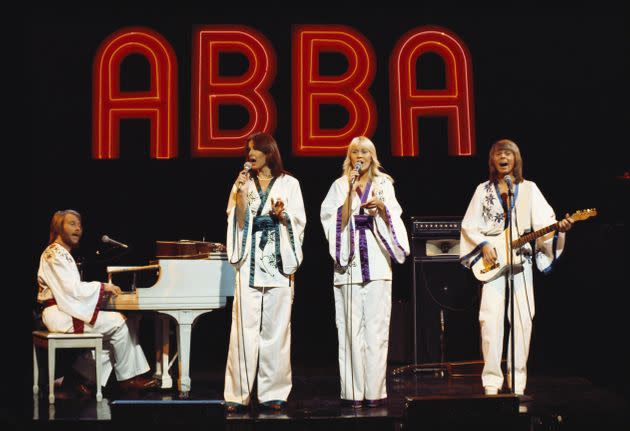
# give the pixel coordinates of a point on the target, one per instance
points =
(350, 250)
(511, 289)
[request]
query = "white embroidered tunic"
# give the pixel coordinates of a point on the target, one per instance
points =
(267, 251)
(375, 241)
(485, 217)
(58, 278)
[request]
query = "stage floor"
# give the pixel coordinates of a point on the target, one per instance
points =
(551, 403)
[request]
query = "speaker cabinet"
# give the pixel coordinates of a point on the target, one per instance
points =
(163, 414)
(400, 333)
(445, 294)
(497, 412)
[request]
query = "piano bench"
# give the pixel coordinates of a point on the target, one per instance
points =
(53, 341)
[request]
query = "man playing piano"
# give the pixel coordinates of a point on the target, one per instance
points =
(73, 306)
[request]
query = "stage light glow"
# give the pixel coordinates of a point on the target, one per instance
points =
(311, 89)
(110, 105)
(249, 90)
(455, 101)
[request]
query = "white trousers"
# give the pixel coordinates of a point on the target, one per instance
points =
(491, 319)
(121, 349)
(260, 337)
(362, 315)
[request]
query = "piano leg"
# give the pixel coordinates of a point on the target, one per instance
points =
(185, 320)
(162, 350)
(183, 341)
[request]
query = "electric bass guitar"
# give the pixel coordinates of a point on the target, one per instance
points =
(501, 246)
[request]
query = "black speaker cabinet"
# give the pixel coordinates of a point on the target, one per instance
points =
(497, 412)
(445, 294)
(163, 414)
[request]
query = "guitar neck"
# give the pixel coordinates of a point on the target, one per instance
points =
(534, 235)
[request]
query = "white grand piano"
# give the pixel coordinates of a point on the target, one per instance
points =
(186, 288)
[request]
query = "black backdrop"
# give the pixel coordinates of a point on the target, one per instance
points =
(553, 80)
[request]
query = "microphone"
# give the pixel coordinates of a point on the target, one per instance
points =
(247, 166)
(508, 183)
(108, 240)
(357, 168)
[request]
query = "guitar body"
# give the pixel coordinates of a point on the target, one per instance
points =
(501, 246)
(500, 243)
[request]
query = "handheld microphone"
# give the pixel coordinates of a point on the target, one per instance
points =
(108, 240)
(508, 183)
(247, 166)
(357, 168)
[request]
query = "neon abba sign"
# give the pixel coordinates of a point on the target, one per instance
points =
(310, 90)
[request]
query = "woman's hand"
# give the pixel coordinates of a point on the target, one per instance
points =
(352, 177)
(242, 179)
(374, 203)
(277, 207)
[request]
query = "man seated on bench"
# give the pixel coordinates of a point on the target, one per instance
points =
(73, 306)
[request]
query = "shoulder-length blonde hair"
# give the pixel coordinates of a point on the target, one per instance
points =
(506, 144)
(375, 166)
(56, 223)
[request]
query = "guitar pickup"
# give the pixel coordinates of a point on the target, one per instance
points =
(490, 268)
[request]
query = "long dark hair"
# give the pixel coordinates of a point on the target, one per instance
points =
(267, 144)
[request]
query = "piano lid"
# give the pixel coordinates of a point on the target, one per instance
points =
(187, 249)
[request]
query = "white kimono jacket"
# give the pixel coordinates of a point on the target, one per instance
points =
(58, 278)
(375, 241)
(78, 310)
(485, 217)
(265, 251)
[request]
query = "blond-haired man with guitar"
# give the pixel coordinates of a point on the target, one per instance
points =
(484, 242)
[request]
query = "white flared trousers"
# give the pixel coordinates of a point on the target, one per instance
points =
(491, 318)
(121, 350)
(260, 337)
(362, 315)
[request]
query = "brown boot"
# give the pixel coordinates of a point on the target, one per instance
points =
(138, 383)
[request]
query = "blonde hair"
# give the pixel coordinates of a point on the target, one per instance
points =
(56, 223)
(375, 166)
(506, 144)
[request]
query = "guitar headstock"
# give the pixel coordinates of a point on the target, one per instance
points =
(584, 214)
